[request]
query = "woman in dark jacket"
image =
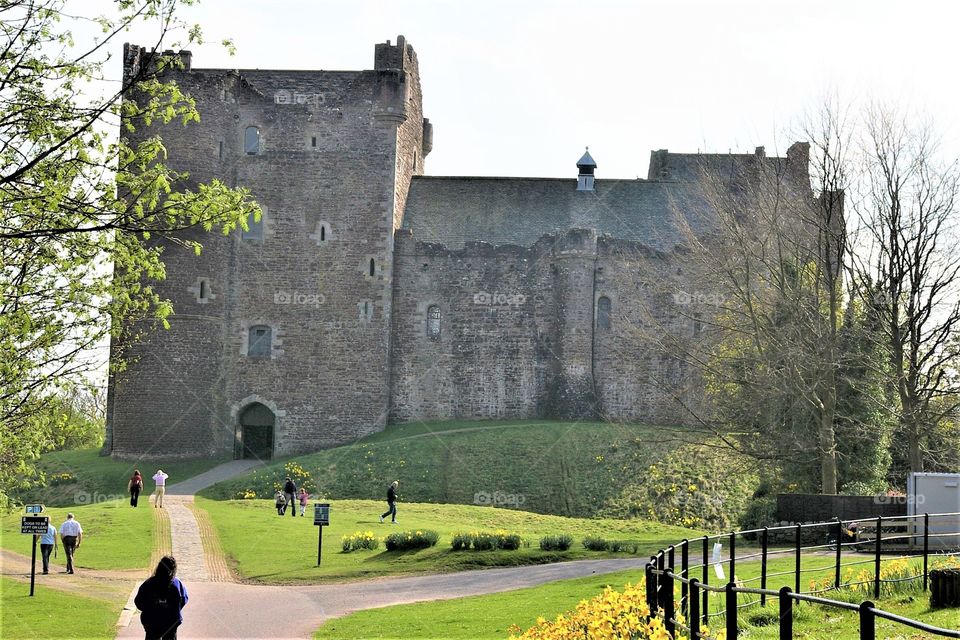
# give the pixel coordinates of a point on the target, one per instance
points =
(135, 486)
(160, 600)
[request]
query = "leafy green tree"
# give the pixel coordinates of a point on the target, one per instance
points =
(80, 204)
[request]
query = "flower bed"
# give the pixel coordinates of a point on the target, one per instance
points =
(486, 541)
(359, 540)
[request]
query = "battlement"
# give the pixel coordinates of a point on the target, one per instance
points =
(398, 56)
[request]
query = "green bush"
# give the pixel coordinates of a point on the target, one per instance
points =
(592, 543)
(559, 542)
(461, 541)
(624, 546)
(405, 540)
(761, 512)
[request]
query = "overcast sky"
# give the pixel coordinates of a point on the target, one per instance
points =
(519, 87)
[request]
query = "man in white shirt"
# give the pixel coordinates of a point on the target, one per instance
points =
(71, 533)
(161, 479)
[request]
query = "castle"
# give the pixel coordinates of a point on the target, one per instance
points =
(371, 294)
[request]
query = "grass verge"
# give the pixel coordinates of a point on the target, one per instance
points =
(254, 538)
(115, 535)
(54, 614)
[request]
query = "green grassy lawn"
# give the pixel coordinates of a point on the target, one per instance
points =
(477, 617)
(490, 616)
(115, 535)
(54, 614)
(254, 537)
(562, 468)
(91, 477)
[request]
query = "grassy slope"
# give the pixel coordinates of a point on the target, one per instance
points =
(548, 467)
(98, 478)
(115, 535)
(54, 614)
(477, 617)
(254, 537)
(489, 616)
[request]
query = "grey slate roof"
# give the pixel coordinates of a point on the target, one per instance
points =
(453, 211)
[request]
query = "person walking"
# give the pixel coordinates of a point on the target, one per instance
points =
(71, 533)
(161, 479)
(161, 599)
(391, 502)
(304, 500)
(48, 543)
(135, 486)
(290, 496)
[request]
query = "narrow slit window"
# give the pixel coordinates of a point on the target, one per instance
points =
(603, 313)
(220, 149)
(313, 141)
(433, 322)
(323, 233)
(204, 290)
(251, 141)
(373, 267)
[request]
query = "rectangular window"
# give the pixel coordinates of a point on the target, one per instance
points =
(313, 142)
(255, 230)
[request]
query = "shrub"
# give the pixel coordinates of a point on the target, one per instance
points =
(592, 543)
(560, 542)
(461, 541)
(624, 546)
(405, 540)
(359, 540)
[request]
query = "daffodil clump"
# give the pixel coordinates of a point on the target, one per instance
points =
(487, 540)
(359, 540)
(613, 615)
(403, 540)
(896, 576)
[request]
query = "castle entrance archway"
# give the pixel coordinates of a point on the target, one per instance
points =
(256, 432)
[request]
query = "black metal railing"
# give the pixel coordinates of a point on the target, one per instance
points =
(885, 539)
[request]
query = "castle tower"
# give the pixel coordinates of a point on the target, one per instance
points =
(280, 339)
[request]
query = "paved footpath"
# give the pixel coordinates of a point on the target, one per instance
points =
(219, 609)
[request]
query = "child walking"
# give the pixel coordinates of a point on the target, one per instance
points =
(281, 503)
(304, 498)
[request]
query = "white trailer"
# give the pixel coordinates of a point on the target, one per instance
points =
(935, 493)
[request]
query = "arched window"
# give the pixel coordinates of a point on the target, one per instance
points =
(251, 141)
(433, 322)
(603, 313)
(373, 268)
(259, 341)
(204, 289)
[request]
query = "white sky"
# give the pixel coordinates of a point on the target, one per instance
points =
(520, 87)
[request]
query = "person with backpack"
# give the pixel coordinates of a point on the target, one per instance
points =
(161, 599)
(135, 486)
(290, 495)
(391, 502)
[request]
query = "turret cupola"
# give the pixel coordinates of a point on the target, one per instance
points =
(586, 165)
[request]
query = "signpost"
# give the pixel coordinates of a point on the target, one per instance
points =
(321, 518)
(36, 526)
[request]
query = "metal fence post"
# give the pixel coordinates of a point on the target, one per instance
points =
(796, 568)
(868, 628)
(836, 565)
(706, 579)
(876, 558)
(926, 546)
(684, 568)
(660, 579)
(786, 614)
(733, 555)
(763, 566)
(730, 609)
(693, 619)
(668, 612)
(651, 589)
